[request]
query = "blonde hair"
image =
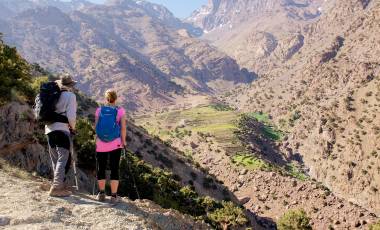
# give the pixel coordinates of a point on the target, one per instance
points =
(111, 96)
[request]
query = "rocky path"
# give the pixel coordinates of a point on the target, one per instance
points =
(24, 204)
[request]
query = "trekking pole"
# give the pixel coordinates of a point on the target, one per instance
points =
(131, 172)
(95, 178)
(74, 161)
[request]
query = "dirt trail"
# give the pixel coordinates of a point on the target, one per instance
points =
(25, 205)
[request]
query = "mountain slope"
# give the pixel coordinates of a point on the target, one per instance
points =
(327, 99)
(261, 186)
(258, 34)
(123, 45)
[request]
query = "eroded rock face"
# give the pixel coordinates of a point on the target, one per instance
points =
(23, 144)
(262, 44)
(19, 143)
(290, 46)
(258, 34)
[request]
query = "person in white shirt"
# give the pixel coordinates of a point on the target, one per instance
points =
(58, 135)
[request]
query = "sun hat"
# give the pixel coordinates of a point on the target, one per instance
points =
(66, 80)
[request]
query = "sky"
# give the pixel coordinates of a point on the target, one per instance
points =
(180, 8)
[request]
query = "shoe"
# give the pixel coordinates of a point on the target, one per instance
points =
(70, 188)
(59, 192)
(115, 200)
(101, 197)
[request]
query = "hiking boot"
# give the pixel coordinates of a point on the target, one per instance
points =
(59, 192)
(101, 197)
(70, 188)
(115, 200)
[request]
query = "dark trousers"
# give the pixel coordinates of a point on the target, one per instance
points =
(101, 161)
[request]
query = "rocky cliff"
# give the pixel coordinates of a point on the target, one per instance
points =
(258, 34)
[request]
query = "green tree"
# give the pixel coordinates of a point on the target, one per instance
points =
(15, 77)
(228, 216)
(294, 220)
(84, 142)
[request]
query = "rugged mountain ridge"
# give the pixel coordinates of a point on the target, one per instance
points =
(104, 46)
(327, 98)
(221, 13)
(258, 34)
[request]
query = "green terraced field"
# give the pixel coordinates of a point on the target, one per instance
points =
(204, 119)
(250, 162)
(220, 123)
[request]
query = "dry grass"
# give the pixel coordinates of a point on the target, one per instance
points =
(15, 171)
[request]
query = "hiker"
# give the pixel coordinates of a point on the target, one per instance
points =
(58, 135)
(110, 123)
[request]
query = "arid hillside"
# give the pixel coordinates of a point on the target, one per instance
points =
(260, 35)
(266, 184)
(326, 98)
(134, 47)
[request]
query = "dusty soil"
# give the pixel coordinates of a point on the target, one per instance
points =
(26, 205)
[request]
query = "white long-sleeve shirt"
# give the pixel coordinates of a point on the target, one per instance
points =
(67, 105)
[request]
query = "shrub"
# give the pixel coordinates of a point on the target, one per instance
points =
(15, 76)
(84, 143)
(294, 220)
(228, 216)
(294, 117)
(159, 186)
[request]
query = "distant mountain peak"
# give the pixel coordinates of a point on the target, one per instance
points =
(226, 13)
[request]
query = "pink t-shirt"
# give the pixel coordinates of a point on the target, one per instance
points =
(102, 146)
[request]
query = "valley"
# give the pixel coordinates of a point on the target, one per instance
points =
(273, 105)
(205, 134)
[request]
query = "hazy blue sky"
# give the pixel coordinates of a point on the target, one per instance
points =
(180, 8)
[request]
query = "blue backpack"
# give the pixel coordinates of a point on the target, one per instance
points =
(107, 128)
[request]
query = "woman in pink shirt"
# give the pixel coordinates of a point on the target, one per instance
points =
(110, 123)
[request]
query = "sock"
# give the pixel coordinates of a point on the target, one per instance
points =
(114, 195)
(102, 192)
